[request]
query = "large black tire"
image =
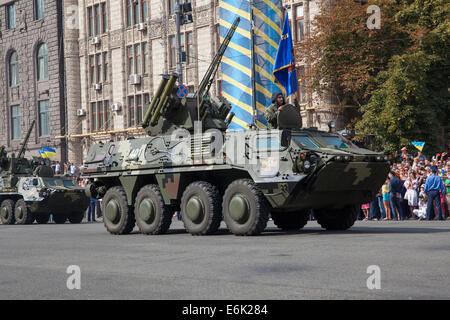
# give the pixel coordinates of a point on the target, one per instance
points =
(22, 214)
(7, 212)
(42, 218)
(153, 216)
(201, 208)
(290, 221)
(60, 218)
(245, 209)
(337, 219)
(76, 217)
(118, 216)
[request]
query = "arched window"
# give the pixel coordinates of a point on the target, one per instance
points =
(42, 62)
(13, 69)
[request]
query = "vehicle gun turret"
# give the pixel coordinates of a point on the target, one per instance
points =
(167, 111)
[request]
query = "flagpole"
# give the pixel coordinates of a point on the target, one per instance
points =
(252, 33)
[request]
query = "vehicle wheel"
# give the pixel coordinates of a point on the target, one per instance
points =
(60, 218)
(21, 213)
(201, 209)
(76, 217)
(42, 218)
(118, 216)
(245, 210)
(291, 221)
(338, 219)
(153, 216)
(7, 212)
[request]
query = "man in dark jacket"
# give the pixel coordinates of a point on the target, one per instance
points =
(271, 113)
(395, 193)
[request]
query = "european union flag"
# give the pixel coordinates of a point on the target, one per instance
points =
(284, 69)
(47, 152)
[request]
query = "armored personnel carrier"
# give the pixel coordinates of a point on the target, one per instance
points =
(191, 163)
(29, 191)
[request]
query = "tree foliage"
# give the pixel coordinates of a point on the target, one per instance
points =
(398, 74)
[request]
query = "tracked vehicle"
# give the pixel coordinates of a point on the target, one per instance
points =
(31, 192)
(191, 163)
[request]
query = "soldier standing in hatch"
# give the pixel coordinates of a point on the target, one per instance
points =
(271, 113)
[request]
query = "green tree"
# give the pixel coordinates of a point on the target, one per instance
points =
(398, 75)
(411, 99)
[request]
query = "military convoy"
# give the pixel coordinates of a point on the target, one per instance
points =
(191, 163)
(29, 191)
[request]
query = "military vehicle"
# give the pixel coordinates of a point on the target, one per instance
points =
(30, 191)
(191, 163)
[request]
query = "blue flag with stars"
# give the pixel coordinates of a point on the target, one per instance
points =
(284, 69)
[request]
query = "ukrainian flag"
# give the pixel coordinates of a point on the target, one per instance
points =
(284, 69)
(47, 152)
(418, 144)
(237, 63)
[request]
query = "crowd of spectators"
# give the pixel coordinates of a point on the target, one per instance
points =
(417, 187)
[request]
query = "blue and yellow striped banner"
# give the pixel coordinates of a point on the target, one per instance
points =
(237, 62)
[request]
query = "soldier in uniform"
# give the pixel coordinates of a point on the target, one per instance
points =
(271, 113)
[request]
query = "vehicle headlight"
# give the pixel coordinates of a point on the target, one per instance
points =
(307, 165)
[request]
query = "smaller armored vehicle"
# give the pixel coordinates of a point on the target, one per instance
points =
(30, 191)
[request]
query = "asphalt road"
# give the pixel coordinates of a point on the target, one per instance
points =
(413, 257)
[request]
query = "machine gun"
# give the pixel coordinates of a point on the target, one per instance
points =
(167, 112)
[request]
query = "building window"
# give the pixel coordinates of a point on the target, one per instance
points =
(145, 57)
(42, 62)
(172, 6)
(299, 23)
(301, 85)
(44, 118)
(137, 11)
(98, 67)
(190, 49)
(137, 106)
(91, 21)
(132, 111)
(172, 51)
(16, 131)
(11, 15)
(138, 58)
(104, 17)
(130, 60)
(105, 68)
(107, 110)
(39, 9)
(98, 19)
(14, 69)
(92, 69)
(94, 126)
(100, 115)
(144, 7)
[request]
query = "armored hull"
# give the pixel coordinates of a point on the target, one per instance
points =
(251, 175)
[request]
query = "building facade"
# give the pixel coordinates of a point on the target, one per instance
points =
(32, 75)
(123, 47)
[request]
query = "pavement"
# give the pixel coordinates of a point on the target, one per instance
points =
(411, 259)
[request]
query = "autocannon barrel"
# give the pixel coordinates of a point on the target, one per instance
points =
(25, 141)
(164, 98)
(156, 99)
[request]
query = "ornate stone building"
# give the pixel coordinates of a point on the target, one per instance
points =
(31, 74)
(124, 46)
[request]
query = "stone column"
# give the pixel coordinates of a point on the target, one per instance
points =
(73, 81)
